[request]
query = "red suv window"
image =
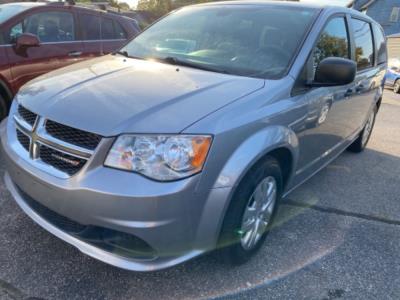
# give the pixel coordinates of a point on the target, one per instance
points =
(97, 28)
(51, 26)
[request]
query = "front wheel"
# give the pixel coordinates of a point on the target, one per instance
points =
(252, 211)
(3, 108)
(361, 142)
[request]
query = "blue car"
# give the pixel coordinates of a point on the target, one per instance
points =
(392, 79)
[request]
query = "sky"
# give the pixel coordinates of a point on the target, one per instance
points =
(133, 3)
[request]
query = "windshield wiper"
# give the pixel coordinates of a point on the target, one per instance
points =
(126, 54)
(123, 53)
(185, 63)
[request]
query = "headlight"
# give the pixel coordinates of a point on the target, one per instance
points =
(160, 157)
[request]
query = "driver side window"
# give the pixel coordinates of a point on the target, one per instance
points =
(49, 27)
(333, 41)
(15, 32)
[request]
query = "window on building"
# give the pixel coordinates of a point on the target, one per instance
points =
(394, 16)
(364, 45)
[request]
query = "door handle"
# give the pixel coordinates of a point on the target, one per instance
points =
(348, 93)
(360, 88)
(75, 53)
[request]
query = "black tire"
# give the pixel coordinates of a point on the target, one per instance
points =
(230, 238)
(3, 108)
(396, 86)
(359, 145)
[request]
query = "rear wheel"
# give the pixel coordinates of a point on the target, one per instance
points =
(361, 142)
(252, 211)
(3, 108)
(396, 87)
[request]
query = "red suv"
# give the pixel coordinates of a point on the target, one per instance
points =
(36, 38)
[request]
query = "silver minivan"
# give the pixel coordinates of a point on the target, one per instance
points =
(187, 139)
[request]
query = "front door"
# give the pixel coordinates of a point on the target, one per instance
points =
(329, 121)
(58, 46)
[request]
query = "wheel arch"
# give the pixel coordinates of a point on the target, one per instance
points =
(5, 91)
(277, 141)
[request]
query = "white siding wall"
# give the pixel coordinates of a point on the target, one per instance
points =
(394, 48)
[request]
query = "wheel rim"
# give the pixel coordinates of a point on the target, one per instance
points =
(397, 87)
(258, 213)
(368, 128)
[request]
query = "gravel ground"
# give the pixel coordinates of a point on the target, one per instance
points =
(338, 237)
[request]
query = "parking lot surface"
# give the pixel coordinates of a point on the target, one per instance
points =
(337, 237)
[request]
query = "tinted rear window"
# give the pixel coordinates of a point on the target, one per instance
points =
(107, 29)
(90, 27)
(119, 31)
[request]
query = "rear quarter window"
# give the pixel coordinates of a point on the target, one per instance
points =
(380, 44)
(119, 31)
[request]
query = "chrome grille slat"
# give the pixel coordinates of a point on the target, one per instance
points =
(53, 149)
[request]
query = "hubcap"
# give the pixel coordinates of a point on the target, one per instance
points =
(368, 128)
(258, 213)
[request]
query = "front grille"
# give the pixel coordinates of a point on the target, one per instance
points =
(73, 136)
(52, 217)
(28, 116)
(63, 162)
(23, 140)
(67, 150)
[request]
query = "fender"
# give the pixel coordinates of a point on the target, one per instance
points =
(240, 162)
(253, 149)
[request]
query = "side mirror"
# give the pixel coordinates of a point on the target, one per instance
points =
(333, 71)
(25, 41)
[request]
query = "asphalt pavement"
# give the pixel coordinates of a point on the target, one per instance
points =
(337, 237)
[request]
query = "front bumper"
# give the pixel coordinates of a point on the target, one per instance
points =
(178, 220)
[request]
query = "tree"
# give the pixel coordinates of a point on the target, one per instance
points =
(123, 5)
(112, 3)
(157, 7)
(161, 7)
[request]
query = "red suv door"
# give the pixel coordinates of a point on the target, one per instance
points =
(56, 30)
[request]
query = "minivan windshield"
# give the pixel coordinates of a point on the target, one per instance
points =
(247, 40)
(8, 11)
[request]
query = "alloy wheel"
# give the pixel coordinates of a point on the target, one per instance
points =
(258, 213)
(368, 128)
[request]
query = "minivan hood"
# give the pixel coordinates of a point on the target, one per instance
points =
(113, 95)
